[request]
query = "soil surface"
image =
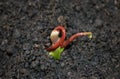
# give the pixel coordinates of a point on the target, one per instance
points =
(25, 26)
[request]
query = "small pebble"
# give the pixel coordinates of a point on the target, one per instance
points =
(36, 46)
(16, 33)
(98, 22)
(69, 73)
(42, 67)
(53, 65)
(26, 64)
(10, 50)
(61, 19)
(62, 64)
(5, 41)
(27, 52)
(26, 46)
(34, 63)
(24, 71)
(77, 8)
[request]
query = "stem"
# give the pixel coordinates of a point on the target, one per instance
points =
(61, 41)
(65, 43)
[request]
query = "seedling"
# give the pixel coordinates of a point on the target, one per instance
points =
(59, 43)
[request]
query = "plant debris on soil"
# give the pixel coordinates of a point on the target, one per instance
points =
(25, 27)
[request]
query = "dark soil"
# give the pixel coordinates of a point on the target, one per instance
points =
(25, 26)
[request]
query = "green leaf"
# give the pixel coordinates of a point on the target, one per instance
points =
(56, 54)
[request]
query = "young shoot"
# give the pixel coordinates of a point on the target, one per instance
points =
(59, 43)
